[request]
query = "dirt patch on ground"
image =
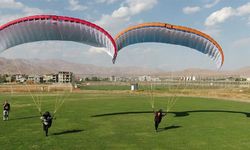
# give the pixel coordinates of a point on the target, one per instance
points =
(17, 88)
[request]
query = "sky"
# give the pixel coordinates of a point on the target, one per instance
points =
(227, 21)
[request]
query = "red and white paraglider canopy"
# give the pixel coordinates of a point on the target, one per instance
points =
(51, 27)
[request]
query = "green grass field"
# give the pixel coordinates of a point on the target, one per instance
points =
(125, 121)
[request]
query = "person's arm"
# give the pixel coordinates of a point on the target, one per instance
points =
(42, 118)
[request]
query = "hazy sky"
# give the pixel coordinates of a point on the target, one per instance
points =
(227, 21)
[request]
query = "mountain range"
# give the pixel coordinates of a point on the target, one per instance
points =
(38, 66)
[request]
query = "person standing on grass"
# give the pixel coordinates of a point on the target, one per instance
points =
(158, 116)
(47, 122)
(6, 110)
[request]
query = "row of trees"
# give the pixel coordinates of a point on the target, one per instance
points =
(94, 79)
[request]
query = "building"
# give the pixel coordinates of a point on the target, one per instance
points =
(134, 86)
(20, 78)
(155, 79)
(144, 78)
(50, 78)
(65, 77)
(8, 78)
(35, 78)
(113, 78)
(189, 78)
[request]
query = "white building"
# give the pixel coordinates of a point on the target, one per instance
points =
(35, 78)
(188, 78)
(113, 78)
(65, 77)
(8, 78)
(193, 78)
(50, 78)
(156, 79)
(20, 78)
(134, 87)
(144, 78)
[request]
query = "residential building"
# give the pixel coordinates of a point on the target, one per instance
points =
(144, 78)
(50, 78)
(65, 77)
(35, 78)
(20, 78)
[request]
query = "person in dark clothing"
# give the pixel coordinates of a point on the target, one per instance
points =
(6, 110)
(47, 122)
(158, 116)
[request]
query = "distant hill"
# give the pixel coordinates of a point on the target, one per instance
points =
(37, 66)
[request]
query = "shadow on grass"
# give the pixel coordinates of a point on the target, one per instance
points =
(22, 118)
(168, 128)
(123, 113)
(176, 113)
(67, 132)
(187, 113)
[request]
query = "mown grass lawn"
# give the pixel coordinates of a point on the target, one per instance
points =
(125, 121)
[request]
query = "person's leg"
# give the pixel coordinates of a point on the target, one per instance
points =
(156, 125)
(3, 115)
(7, 115)
(47, 130)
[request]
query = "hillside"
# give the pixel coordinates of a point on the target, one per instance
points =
(37, 66)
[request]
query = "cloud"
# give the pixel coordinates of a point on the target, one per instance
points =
(133, 7)
(112, 24)
(32, 11)
(243, 10)
(122, 12)
(97, 50)
(195, 9)
(22, 10)
(107, 1)
(225, 13)
(122, 16)
(215, 2)
(74, 5)
(220, 16)
(10, 4)
(191, 10)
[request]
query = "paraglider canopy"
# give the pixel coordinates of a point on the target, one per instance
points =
(171, 34)
(51, 27)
